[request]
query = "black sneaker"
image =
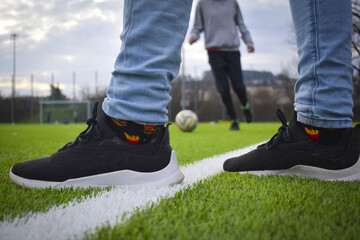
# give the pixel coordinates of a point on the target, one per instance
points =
(291, 152)
(247, 113)
(234, 125)
(98, 157)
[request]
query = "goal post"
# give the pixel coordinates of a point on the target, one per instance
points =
(64, 111)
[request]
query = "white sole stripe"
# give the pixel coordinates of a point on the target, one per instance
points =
(166, 176)
(348, 174)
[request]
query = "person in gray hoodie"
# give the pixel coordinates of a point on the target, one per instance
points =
(221, 20)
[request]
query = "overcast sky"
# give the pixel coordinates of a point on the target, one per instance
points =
(82, 36)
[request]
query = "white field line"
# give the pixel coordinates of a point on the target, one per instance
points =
(70, 221)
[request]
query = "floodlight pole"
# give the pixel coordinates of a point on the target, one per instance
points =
(13, 37)
(96, 84)
(32, 98)
(74, 85)
(52, 80)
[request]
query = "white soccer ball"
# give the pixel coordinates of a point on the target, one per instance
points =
(186, 120)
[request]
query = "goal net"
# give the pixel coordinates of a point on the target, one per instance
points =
(64, 111)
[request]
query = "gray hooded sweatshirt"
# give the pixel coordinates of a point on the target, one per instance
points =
(220, 20)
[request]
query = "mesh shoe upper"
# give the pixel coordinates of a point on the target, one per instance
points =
(98, 150)
(291, 147)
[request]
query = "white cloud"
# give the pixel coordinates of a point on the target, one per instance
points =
(101, 1)
(65, 58)
(62, 36)
(6, 24)
(263, 4)
(35, 20)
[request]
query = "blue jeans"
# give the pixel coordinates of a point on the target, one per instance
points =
(149, 59)
(323, 93)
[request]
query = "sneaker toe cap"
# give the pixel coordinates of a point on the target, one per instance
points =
(236, 164)
(248, 162)
(30, 170)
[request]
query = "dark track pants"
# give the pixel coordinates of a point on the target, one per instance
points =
(226, 65)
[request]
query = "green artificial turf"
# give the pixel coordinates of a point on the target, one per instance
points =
(235, 206)
(21, 142)
(211, 139)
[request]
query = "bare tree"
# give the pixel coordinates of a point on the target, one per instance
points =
(87, 94)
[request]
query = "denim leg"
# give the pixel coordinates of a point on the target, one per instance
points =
(149, 59)
(323, 93)
(219, 68)
(236, 76)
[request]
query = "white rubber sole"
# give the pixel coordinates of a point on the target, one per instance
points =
(169, 175)
(348, 174)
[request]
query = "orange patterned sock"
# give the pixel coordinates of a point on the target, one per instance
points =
(324, 136)
(132, 132)
(312, 134)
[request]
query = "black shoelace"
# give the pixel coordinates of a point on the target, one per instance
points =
(283, 134)
(91, 132)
